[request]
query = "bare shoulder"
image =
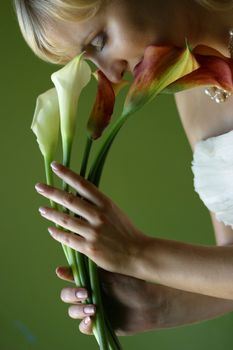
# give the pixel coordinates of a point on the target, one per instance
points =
(201, 117)
(189, 106)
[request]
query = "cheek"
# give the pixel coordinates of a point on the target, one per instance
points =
(128, 40)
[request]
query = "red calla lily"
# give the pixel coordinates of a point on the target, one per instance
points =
(104, 104)
(103, 107)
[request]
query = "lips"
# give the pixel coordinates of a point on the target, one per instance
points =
(137, 68)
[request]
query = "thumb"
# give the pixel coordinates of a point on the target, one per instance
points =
(64, 273)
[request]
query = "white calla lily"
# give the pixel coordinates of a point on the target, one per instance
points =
(69, 82)
(45, 124)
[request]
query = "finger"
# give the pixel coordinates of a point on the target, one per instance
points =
(73, 295)
(70, 239)
(85, 326)
(66, 221)
(85, 188)
(81, 311)
(68, 200)
(65, 273)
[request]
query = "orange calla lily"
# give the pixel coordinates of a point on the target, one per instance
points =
(161, 66)
(104, 104)
(170, 69)
(214, 70)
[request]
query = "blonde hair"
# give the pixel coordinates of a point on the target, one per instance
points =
(217, 5)
(35, 15)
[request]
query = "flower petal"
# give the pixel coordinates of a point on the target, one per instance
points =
(103, 107)
(161, 66)
(215, 70)
(69, 82)
(45, 124)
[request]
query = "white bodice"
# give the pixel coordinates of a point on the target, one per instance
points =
(212, 166)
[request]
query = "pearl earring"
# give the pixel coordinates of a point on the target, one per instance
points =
(216, 94)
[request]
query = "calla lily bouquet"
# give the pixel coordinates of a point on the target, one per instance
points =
(165, 69)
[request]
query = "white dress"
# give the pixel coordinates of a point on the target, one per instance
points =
(212, 166)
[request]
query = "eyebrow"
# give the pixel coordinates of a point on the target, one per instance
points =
(83, 42)
(82, 46)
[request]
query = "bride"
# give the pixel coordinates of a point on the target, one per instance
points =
(162, 283)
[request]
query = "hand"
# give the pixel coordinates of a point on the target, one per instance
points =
(132, 305)
(103, 233)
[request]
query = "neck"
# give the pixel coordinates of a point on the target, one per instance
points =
(211, 28)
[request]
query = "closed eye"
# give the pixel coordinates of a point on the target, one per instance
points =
(99, 42)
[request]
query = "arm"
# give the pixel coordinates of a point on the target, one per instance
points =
(205, 270)
(185, 307)
(179, 308)
(167, 308)
(135, 306)
(195, 268)
(223, 233)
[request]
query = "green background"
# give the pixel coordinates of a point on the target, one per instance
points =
(148, 174)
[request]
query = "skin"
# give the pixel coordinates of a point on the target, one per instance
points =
(104, 222)
(116, 26)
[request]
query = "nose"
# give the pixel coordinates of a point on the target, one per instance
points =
(114, 71)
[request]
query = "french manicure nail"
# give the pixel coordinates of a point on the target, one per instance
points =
(42, 210)
(40, 187)
(89, 310)
(82, 294)
(87, 320)
(55, 166)
(50, 231)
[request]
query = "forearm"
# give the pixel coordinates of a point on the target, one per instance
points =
(206, 270)
(178, 308)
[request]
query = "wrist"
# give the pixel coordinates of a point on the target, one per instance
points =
(151, 312)
(140, 258)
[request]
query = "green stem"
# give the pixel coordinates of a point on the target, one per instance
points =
(89, 143)
(101, 328)
(95, 176)
(100, 331)
(113, 340)
(75, 268)
(82, 260)
(78, 262)
(49, 181)
(83, 272)
(97, 300)
(98, 326)
(67, 147)
(97, 166)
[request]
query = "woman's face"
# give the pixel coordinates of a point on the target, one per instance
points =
(116, 38)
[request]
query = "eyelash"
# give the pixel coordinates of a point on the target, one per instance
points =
(103, 42)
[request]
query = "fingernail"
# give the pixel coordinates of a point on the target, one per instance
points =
(40, 187)
(82, 294)
(42, 210)
(60, 270)
(51, 231)
(87, 320)
(89, 310)
(55, 166)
